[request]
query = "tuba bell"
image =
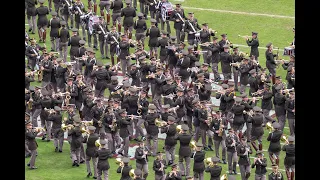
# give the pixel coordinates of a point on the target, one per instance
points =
(97, 143)
(269, 127)
(192, 144)
(179, 128)
(224, 177)
(131, 173)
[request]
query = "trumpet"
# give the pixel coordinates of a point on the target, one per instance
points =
(170, 47)
(131, 56)
(38, 129)
(160, 123)
(212, 31)
(278, 61)
(243, 54)
(199, 52)
(113, 125)
(81, 83)
(206, 44)
(64, 64)
(199, 84)
(87, 123)
(245, 37)
(269, 127)
(236, 64)
(249, 113)
(173, 109)
(257, 93)
(170, 96)
(179, 129)
(256, 98)
(134, 116)
(224, 177)
(286, 91)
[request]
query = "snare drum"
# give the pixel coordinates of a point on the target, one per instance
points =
(288, 51)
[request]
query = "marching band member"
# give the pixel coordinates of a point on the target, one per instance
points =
(276, 174)
(141, 156)
(159, 166)
(116, 7)
(226, 59)
(42, 11)
(128, 13)
(289, 160)
(253, 82)
(170, 141)
(270, 63)
(124, 168)
(91, 150)
(140, 26)
(143, 104)
(257, 130)
(31, 134)
(215, 57)
(232, 141)
(254, 44)
(153, 33)
(178, 22)
(101, 28)
(152, 129)
(279, 100)
(236, 58)
(217, 129)
(215, 169)
(184, 151)
(191, 27)
(274, 146)
(58, 134)
(124, 46)
(174, 174)
(64, 38)
(243, 151)
(286, 67)
(113, 39)
(76, 141)
(198, 166)
(26, 148)
(131, 101)
(260, 163)
(105, 4)
(124, 122)
(248, 105)
(134, 73)
(244, 70)
(78, 11)
(238, 119)
(31, 13)
(54, 23)
(102, 76)
(89, 62)
(266, 103)
(74, 42)
(103, 156)
(290, 108)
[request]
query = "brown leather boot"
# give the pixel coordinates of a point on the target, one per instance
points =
(44, 36)
(112, 60)
(292, 175)
(118, 59)
(95, 8)
(119, 27)
(273, 79)
(108, 19)
(102, 14)
(260, 147)
(288, 174)
(254, 145)
(130, 35)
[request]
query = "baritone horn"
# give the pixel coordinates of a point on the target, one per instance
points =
(192, 144)
(179, 129)
(284, 138)
(269, 127)
(131, 173)
(224, 177)
(119, 161)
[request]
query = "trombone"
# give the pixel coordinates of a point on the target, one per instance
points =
(206, 44)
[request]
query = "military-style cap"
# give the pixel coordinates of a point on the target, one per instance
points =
(291, 138)
(268, 45)
(164, 32)
(173, 37)
(189, 177)
(257, 109)
(190, 13)
(276, 125)
(214, 38)
(82, 42)
(254, 33)
(139, 14)
(114, 78)
(184, 127)
(90, 49)
(274, 165)
(74, 30)
(171, 118)
(41, 1)
(59, 60)
(225, 86)
(185, 52)
(190, 47)
(132, 89)
(238, 99)
(53, 13)
(226, 46)
(252, 71)
(178, 4)
(137, 172)
(180, 89)
(92, 128)
(70, 79)
(197, 64)
(215, 159)
(199, 144)
(168, 78)
(230, 83)
(223, 35)
(205, 64)
(126, 84)
(99, 64)
(152, 107)
(63, 23)
(76, 119)
(200, 75)
(122, 111)
(57, 108)
(244, 95)
(103, 142)
(126, 160)
(204, 24)
(259, 152)
(128, 1)
(195, 101)
(153, 21)
(278, 87)
(174, 165)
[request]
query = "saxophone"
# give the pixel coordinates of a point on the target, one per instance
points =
(30, 101)
(221, 126)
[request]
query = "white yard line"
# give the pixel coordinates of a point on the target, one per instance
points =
(240, 12)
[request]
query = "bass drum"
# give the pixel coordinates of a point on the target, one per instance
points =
(166, 11)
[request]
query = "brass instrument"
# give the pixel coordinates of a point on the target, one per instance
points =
(236, 64)
(38, 129)
(256, 98)
(269, 127)
(259, 92)
(170, 96)
(224, 177)
(249, 113)
(97, 143)
(68, 97)
(243, 54)
(113, 125)
(208, 161)
(179, 129)
(119, 162)
(287, 91)
(192, 144)
(134, 116)
(40, 75)
(131, 56)
(30, 101)
(31, 73)
(278, 61)
(212, 31)
(81, 83)
(83, 130)
(131, 173)
(206, 44)
(119, 91)
(50, 111)
(255, 62)
(66, 127)
(174, 109)
(87, 123)
(245, 37)
(199, 84)
(284, 138)
(160, 123)
(221, 129)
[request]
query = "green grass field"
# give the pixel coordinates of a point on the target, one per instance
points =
(278, 30)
